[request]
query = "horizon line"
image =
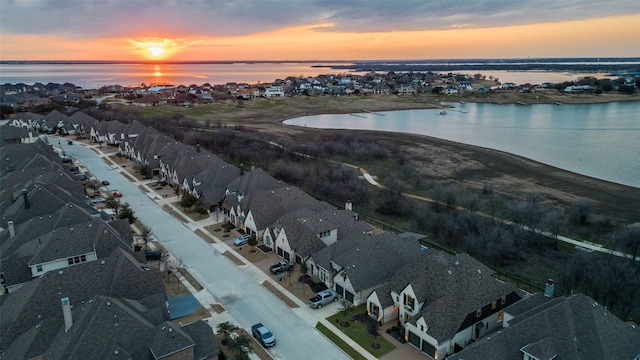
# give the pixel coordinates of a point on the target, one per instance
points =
(150, 62)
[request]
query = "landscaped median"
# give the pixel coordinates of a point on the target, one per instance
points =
(359, 330)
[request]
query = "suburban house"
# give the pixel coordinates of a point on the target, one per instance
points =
(82, 123)
(35, 323)
(262, 208)
(210, 184)
(254, 180)
(17, 135)
(545, 328)
(299, 234)
(274, 90)
(444, 302)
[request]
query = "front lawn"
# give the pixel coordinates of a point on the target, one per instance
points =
(357, 330)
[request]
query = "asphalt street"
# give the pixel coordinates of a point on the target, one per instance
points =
(234, 287)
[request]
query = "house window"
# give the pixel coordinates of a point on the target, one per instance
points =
(503, 300)
(39, 268)
(493, 305)
(479, 313)
(499, 319)
(70, 261)
(409, 301)
(421, 328)
(76, 259)
(83, 258)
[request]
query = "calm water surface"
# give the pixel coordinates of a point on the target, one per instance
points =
(93, 76)
(600, 140)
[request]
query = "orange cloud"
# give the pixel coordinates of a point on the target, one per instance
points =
(612, 36)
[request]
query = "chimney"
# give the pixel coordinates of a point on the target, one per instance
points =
(26, 198)
(66, 312)
(12, 229)
(548, 289)
(348, 205)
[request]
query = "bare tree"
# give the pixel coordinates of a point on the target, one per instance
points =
(581, 211)
(345, 305)
(145, 234)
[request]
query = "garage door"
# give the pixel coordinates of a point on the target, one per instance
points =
(428, 349)
(349, 296)
(414, 339)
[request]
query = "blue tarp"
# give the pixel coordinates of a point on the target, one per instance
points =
(182, 305)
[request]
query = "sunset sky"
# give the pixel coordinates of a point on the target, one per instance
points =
(190, 30)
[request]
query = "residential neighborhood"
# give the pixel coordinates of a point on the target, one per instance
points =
(77, 286)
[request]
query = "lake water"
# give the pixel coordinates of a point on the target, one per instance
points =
(599, 140)
(93, 76)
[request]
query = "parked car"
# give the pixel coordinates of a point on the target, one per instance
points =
(280, 267)
(117, 193)
(323, 298)
(263, 335)
(81, 177)
(74, 168)
(70, 142)
(98, 200)
(242, 240)
(105, 182)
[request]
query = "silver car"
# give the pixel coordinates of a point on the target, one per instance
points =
(323, 298)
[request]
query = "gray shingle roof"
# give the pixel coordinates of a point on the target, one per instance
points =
(119, 276)
(573, 328)
(451, 287)
(375, 258)
(268, 205)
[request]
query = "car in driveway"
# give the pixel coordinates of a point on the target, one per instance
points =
(242, 240)
(98, 200)
(323, 298)
(264, 336)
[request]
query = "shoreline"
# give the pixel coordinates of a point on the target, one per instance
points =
(446, 161)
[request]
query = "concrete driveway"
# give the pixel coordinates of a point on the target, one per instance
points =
(236, 288)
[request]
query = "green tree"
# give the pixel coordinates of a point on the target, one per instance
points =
(187, 200)
(253, 242)
(241, 347)
(112, 203)
(126, 213)
(226, 328)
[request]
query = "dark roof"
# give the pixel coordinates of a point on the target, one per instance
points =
(254, 180)
(119, 275)
(268, 205)
(375, 258)
(450, 288)
(574, 327)
(202, 335)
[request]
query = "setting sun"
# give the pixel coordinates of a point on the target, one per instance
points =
(156, 51)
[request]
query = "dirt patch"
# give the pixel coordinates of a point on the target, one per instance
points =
(219, 309)
(187, 275)
(205, 237)
(173, 286)
(279, 294)
(200, 314)
(233, 258)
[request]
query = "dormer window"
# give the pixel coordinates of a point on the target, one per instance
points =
(408, 302)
